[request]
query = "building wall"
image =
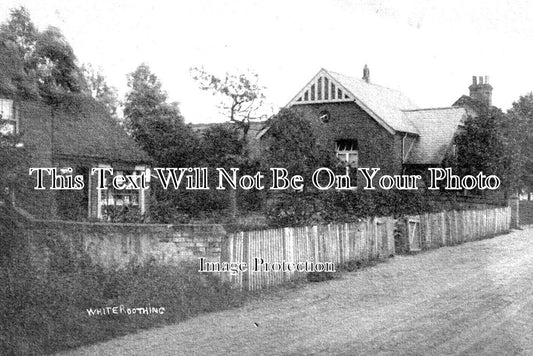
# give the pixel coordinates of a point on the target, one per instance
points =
(89, 195)
(35, 126)
(37, 136)
(377, 147)
(92, 183)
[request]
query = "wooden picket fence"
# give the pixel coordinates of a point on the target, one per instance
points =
(335, 244)
(370, 239)
(454, 227)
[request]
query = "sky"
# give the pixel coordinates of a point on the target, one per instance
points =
(428, 49)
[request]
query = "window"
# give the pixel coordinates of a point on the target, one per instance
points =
(324, 116)
(114, 202)
(8, 117)
(347, 153)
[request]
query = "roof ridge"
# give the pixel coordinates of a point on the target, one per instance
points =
(437, 108)
(363, 81)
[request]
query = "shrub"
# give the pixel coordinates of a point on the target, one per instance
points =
(311, 208)
(180, 206)
(123, 214)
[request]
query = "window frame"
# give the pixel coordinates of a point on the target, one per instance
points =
(343, 149)
(127, 197)
(324, 116)
(12, 118)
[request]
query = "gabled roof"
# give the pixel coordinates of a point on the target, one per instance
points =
(92, 133)
(437, 128)
(383, 104)
(473, 107)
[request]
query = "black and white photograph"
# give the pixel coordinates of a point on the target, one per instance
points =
(247, 177)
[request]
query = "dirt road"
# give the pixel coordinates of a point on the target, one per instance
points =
(472, 299)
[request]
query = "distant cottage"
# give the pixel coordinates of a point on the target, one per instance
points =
(480, 98)
(80, 134)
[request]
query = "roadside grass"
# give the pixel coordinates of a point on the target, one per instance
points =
(45, 312)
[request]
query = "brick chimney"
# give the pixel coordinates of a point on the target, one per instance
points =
(366, 74)
(481, 90)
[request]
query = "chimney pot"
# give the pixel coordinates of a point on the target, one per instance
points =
(474, 80)
(486, 79)
(480, 80)
(366, 74)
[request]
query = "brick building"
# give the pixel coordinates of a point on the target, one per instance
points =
(369, 125)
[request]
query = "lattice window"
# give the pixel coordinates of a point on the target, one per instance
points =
(348, 152)
(117, 201)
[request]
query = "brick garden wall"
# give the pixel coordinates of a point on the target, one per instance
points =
(115, 245)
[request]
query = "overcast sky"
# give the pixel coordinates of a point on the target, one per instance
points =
(427, 49)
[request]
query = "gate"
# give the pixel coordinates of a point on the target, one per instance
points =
(413, 233)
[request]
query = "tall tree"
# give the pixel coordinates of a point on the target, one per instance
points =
(519, 140)
(480, 144)
(241, 97)
(47, 57)
(492, 143)
(221, 146)
(156, 124)
(21, 30)
(99, 89)
(57, 69)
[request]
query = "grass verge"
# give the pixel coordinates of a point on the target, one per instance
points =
(45, 312)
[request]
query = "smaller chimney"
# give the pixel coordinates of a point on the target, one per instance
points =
(366, 74)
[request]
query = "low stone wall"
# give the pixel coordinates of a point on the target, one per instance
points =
(115, 245)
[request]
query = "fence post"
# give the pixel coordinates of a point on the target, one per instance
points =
(246, 258)
(286, 251)
(513, 203)
(443, 229)
(427, 231)
(315, 243)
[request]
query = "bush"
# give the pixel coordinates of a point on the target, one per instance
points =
(181, 206)
(123, 214)
(312, 208)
